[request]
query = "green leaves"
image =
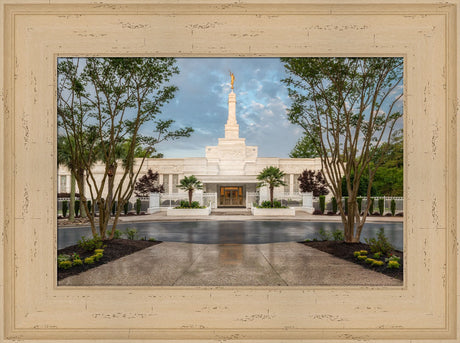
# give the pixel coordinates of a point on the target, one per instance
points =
(271, 176)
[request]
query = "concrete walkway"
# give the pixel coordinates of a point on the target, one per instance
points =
(187, 264)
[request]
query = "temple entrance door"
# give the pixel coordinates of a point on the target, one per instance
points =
(231, 196)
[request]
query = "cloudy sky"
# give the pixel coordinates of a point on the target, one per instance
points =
(201, 102)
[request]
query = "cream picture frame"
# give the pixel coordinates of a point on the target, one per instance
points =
(36, 33)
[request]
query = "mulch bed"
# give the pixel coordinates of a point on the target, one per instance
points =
(345, 251)
(115, 249)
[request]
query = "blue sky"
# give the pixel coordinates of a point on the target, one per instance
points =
(201, 102)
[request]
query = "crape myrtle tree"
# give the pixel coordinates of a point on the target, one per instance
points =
(147, 184)
(311, 181)
(272, 177)
(348, 107)
(105, 105)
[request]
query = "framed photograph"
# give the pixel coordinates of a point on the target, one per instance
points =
(37, 35)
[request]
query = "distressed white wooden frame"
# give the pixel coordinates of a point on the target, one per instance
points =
(35, 33)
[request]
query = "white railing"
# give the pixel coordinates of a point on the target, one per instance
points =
(399, 204)
(174, 199)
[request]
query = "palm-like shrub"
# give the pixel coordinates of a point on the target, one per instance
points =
(190, 184)
(272, 177)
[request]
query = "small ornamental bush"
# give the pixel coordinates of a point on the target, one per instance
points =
(97, 257)
(323, 235)
(393, 258)
(393, 207)
(371, 206)
(334, 205)
(117, 234)
(393, 264)
(77, 208)
(89, 260)
(360, 202)
(380, 244)
(363, 252)
(138, 206)
(322, 203)
(381, 206)
(77, 262)
(98, 251)
(65, 208)
(63, 257)
(151, 239)
(337, 235)
(369, 260)
(377, 254)
(65, 264)
(91, 243)
(131, 233)
(378, 263)
(89, 206)
(126, 208)
(362, 257)
(356, 254)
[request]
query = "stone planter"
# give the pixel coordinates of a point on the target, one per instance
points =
(188, 212)
(290, 211)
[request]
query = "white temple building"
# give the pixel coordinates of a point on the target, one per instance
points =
(229, 170)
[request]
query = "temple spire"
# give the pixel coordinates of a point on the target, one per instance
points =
(232, 128)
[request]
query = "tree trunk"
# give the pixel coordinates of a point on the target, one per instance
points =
(271, 195)
(81, 191)
(190, 194)
(72, 197)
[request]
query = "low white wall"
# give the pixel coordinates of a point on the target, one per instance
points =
(290, 211)
(190, 212)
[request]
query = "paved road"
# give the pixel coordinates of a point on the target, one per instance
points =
(186, 264)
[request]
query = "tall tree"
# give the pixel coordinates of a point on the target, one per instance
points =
(190, 184)
(103, 103)
(304, 148)
(147, 184)
(272, 177)
(348, 107)
(311, 181)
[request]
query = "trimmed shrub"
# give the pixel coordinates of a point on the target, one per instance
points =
(89, 207)
(90, 244)
(393, 264)
(131, 233)
(63, 257)
(117, 234)
(356, 253)
(97, 257)
(334, 205)
(360, 202)
(89, 260)
(98, 251)
(337, 235)
(380, 244)
(77, 262)
(393, 207)
(381, 206)
(77, 208)
(65, 264)
(126, 208)
(323, 235)
(362, 257)
(377, 255)
(151, 239)
(371, 206)
(138, 206)
(369, 260)
(363, 252)
(65, 208)
(114, 208)
(378, 263)
(322, 203)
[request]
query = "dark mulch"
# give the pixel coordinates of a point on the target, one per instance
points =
(115, 249)
(345, 251)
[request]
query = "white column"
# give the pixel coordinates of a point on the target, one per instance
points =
(170, 185)
(307, 202)
(160, 179)
(291, 183)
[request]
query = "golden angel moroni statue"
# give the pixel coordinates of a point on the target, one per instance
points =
(232, 77)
